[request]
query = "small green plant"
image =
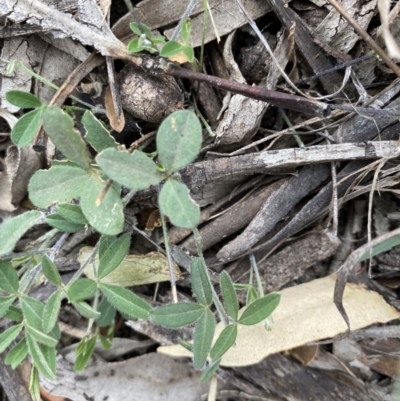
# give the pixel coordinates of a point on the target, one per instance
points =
(71, 190)
(153, 44)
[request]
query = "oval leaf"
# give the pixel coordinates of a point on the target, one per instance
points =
(50, 271)
(8, 336)
(85, 310)
(25, 100)
(8, 277)
(106, 216)
(57, 221)
(176, 203)
(177, 315)
(81, 289)
(40, 337)
(113, 254)
(32, 310)
(13, 229)
(51, 311)
(72, 213)
(126, 301)
(260, 309)
(59, 184)
(202, 340)
(17, 354)
(132, 170)
(40, 360)
(26, 127)
(229, 295)
(84, 351)
(179, 140)
(225, 341)
(96, 134)
(170, 48)
(201, 283)
(211, 369)
(107, 314)
(59, 126)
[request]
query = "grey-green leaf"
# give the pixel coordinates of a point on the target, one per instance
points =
(51, 311)
(81, 289)
(8, 277)
(13, 229)
(176, 315)
(106, 216)
(25, 100)
(59, 126)
(126, 301)
(225, 341)
(178, 139)
(40, 337)
(229, 295)
(260, 309)
(59, 184)
(132, 170)
(5, 303)
(17, 354)
(50, 271)
(32, 310)
(8, 336)
(86, 310)
(210, 370)
(26, 127)
(72, 213)
(203, 337)
(201, 283)
(55, 220)
(176, 203)
(96, 134)
(84, 352)
(107, 313)
(40, 360)
(113, 255)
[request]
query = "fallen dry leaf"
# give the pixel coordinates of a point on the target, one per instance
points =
(306, 313)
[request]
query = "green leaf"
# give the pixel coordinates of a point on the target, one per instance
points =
(59, 126)
(32, 310)
(171, 48)
(186, 345)
(176, 203)
(8, 277)
(146, 30)
(50, 271)
(202, 340)
(81, 289)
(135, 28)
(13, 229)
(14, 313)
(201, 283)
(210, 370)
(186, 29)
(26, 128)
(260, 309)
(189, 53)
(251, 295)
(132, 170)
(40, 358)
(113, 254)
(72, 213)
(126, 301)
(17, 354)
(84, 351)
(384, 246)
(96, 134)
(8, 336)
(106, 216)
(55, 220)
(40, 337)
(5, 303)
(229, 295)
(51, 311)
(59, 184)
(86, 310)
(176, 315)
(157, 39)
(135, 47)
(25, 100)
(34, 384)
(225, 341)
(107, 314)
(179, 140)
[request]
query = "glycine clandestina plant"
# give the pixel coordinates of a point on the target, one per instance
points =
(70, 189)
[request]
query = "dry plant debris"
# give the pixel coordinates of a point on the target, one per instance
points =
(298, 168)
